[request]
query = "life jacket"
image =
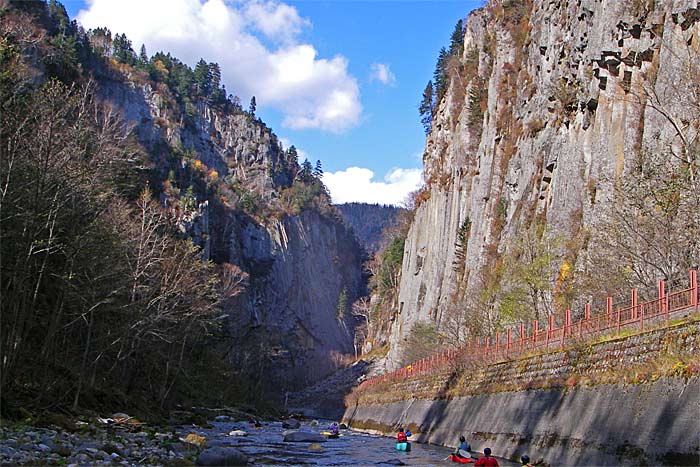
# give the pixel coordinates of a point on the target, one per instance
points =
(401, 437)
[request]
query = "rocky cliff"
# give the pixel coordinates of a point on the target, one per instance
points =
(296, 266)
(550, 104)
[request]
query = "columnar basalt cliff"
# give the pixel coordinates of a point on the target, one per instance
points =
(553, 102)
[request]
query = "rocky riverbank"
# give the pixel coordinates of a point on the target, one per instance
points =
(115, 440)
(28, 445)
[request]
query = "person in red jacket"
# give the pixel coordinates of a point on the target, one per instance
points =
(487, 460)
(401, 437)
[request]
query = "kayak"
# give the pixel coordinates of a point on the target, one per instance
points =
(461, 460)
(403, 447)
(330, 434)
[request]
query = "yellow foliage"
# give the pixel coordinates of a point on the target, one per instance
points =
(213, 175)
(160, 67)
(195, 439)
(566, 271)
(197, 164)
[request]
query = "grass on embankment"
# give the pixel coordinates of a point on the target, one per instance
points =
(586, 363)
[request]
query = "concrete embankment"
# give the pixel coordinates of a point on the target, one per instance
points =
(607, 403)
(603, 425)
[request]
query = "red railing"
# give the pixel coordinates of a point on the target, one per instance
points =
(505, 345)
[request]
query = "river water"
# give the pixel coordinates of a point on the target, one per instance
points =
(264, 446)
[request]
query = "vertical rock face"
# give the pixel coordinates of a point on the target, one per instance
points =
(299, 266)
(556, 100)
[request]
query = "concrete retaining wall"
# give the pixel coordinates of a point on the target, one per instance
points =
(641, 419)
(634, 424)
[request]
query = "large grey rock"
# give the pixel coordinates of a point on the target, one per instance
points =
(291, 424)
(221, 456)
(304, 437)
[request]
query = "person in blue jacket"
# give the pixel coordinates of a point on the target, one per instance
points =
(464, 450)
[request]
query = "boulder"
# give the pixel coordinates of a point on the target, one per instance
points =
(343, 426)
(303, 437)
(292, 424)
(221, 456)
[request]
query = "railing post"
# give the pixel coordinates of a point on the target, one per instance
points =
(537, 329)
(618, 320)
(609, 309)
(498, 341)
(549, 328)
(507, 341)
(634, 304)
(522, 335)
(694, 289)
(587, 316)
(661, 292)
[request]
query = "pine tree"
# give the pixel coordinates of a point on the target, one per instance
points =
(457, 40)
(318, 170)
(292, 154)
(306, 174)
(215, 73)
(203, 78)
(440, 75)
(427, 107)
(143, 55)
(123, 52)
(253, 106)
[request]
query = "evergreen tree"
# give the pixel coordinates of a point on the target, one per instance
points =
(306, 174)
(253, 106)
(215, 73)
(440, 75)
(203, 78)
(318, 170)
(427, 106)
(457, 39)
(143, 55)
(123, 52)
(293, 155)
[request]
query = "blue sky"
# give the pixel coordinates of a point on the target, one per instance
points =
(340, 80)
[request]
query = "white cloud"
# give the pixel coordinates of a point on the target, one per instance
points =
(275, 20)
(285, 74)
(355, 184)
(382, 73)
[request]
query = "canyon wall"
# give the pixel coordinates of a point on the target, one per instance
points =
(554, 102)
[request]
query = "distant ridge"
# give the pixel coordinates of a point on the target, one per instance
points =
(368, 221)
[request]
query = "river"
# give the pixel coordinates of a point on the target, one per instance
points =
(264, 446)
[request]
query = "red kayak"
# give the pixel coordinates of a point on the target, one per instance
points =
(461, 460)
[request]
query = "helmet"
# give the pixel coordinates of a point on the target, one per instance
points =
(487, 451)
(461, 439)
(525, 459)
